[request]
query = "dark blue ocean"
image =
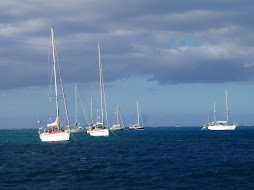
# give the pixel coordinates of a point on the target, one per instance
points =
(156, 158)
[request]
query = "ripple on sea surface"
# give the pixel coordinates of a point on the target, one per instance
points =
(156, 158)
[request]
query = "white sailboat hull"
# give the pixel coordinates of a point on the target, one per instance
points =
(78, 130)
(99, 132)
(222, 127)
(55, 136)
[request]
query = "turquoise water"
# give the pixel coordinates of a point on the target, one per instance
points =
(156, 158)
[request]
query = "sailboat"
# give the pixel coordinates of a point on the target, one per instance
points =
(138, 126)
(76, 128)
(221, 125)
(98, 128)
(118, 121)
(55, 131)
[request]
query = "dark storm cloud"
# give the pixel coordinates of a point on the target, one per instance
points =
(209, 72)
(173, 41)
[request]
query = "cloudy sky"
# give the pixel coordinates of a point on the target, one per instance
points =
(175, 57)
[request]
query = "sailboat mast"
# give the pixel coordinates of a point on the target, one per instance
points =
(100, 70)
(214, 112)
(60, 77)
(120, 118)
(226, 94)
(138, 112)
(91, 110)
(117, 115)
(54, 69)
(98, 117)
(76, 105)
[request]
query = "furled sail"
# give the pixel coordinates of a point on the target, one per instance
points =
(54, 124)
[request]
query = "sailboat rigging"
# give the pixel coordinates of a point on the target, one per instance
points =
(118, 126)
(55, 131)
(220, 125)
(138, 126)
(99, 129)
(77, 128)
